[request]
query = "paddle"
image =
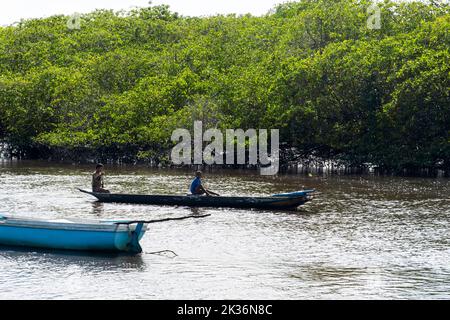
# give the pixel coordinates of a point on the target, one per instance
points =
(162, 220)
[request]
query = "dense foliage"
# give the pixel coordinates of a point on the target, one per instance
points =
(117, 86)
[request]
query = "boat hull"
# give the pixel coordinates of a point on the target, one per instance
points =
(104, 237)
(280, 202)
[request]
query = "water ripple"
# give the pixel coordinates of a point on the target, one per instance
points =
(369, 237)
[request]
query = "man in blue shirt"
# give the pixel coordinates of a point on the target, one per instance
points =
(197, 188)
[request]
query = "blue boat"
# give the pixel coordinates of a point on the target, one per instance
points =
(77, 234)
(72, 234)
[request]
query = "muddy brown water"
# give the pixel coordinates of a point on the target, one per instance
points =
(362, 237)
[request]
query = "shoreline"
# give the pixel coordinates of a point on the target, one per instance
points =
(300, 169)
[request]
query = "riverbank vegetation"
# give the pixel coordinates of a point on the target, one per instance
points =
(117, 86)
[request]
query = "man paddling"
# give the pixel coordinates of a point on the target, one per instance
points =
(97, 180)
(197, 188)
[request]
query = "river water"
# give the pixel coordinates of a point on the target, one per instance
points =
(362, 237)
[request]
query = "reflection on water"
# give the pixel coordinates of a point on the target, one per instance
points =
(98, 208)
(362, 237)
(195, 211)
(59, 259)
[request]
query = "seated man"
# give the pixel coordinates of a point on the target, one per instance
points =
(97, 180)
(197, 188)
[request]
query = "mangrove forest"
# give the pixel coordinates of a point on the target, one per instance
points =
(114, 85)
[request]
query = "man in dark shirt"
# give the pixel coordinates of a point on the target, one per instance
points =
(97, 180)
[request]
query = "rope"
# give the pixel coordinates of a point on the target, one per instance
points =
(162, 251)
(162, 220)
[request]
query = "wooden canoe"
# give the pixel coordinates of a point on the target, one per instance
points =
(286, 201)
